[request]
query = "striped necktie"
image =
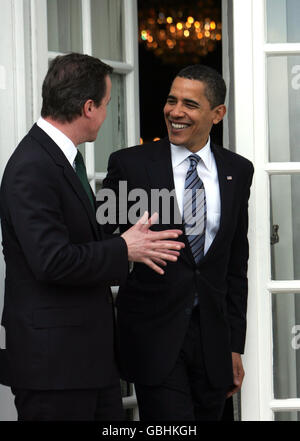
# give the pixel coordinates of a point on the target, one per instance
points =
(82, 175)
(194, 209)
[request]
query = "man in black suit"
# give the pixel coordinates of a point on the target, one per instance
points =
(58, 312)
(181, 334)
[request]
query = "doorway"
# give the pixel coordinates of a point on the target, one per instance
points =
(172, 36)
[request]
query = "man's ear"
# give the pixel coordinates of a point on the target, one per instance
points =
(88, 108)
(220, 112)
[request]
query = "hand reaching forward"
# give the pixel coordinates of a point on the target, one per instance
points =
(152, 247)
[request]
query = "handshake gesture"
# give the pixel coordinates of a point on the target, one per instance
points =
(152, 248)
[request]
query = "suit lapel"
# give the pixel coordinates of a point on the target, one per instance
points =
(159, 166)
(81, 193)
(59, 158)
(227, 184)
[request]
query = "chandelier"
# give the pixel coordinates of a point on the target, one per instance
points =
(176, 34)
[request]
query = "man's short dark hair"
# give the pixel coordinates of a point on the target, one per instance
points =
(215, 87)
(71, 80)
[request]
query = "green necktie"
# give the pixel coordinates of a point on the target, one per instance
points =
(81, 173)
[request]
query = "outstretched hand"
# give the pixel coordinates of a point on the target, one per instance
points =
(153, 248)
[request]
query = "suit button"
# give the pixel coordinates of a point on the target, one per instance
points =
(188, 311)
(197, 272)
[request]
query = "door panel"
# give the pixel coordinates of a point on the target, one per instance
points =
(267, 60)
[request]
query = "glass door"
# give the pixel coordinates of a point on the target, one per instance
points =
(267, 75)
(283, 107)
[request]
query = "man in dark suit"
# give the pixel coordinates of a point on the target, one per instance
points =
(58, 312)
(181, 334)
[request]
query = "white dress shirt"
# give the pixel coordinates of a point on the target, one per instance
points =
(64, 143)
(207, 171)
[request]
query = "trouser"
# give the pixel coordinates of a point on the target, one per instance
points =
(186, 393)
(69, 405)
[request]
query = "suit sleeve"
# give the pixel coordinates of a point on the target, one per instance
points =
(37, 218)
(237, 275)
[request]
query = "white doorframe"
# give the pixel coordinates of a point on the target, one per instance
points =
(244, 121)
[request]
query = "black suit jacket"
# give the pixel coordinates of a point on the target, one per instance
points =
(154, 310)
(58, 312)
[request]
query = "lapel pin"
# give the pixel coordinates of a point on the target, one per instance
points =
(229, 178)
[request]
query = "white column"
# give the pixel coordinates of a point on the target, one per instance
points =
(39, 50)
(12, 123)
(132, 79)
(245, 141)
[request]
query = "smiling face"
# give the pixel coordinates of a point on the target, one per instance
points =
(188, 114)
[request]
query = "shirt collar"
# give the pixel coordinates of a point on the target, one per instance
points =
(181, 153)
(64, 143)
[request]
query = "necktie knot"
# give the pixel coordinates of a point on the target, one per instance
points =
(79, 160)
(194, 160)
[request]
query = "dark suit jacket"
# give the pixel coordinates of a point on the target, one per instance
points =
(58, 311)
(154, 310)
